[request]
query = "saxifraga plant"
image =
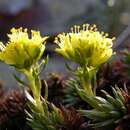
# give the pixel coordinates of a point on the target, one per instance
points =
(24, 53)
(89, 48)
(71, 96)
(106, 111)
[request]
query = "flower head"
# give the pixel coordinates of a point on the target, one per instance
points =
(85, 46)
(21, 50)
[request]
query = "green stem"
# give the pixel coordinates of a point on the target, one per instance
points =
(34, 84)
(88, 80)
(95, 83)
(87, 87)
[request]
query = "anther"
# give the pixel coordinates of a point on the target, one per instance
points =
(84, 27)
(102, 33)
(75, 28)
(87, 26)
(106, 35)
(78, 29)
(72, 29)
(114, 38)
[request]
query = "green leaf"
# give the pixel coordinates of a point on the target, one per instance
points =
(44, 63)
(89, 99)
(46, 90)
(121, 97)
(19, 80)
(70, 68)
(103, 123)
(94, 114)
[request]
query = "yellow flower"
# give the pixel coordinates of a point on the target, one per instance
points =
(22, 50)
(85, 46)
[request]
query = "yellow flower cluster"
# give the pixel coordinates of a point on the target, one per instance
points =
(85, 46)
(21, 50)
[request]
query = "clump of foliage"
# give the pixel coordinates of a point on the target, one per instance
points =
(89, 49)
(24, 52)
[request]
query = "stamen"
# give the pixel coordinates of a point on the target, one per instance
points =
(114, 38)
(106, 35)
(75, 28)
(91, 28)
(58, 40)
(72, 29)
(25, 30)
(84, 27)
(94, 26)
(2, 46)
(87, 26)
(78, 29)
(102, 33)
(95, 29)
